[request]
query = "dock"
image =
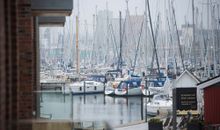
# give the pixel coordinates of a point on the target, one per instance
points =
(140, 125)
(55, 85)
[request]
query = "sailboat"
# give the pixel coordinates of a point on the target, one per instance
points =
(130, 87)
(112, 85)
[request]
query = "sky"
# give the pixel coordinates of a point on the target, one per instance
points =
(183, 8)
(183, 11)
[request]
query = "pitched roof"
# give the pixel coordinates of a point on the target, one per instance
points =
(190, 74)
(209, 82)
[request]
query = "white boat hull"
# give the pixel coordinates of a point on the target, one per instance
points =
(66, 90)
(156, 90)
(146, 92)
(88, 87)
(109, 92)
(129, 92)
(155, 108)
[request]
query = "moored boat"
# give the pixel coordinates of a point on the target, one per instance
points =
(129, 87)
(86, 87)
(160, 103)
(112, 85)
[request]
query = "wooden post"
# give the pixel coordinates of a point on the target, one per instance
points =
(145, 88)
(174, 109)
(71, 107)
(142, 108)
(84, 87)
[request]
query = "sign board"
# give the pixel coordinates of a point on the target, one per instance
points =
(186, 99)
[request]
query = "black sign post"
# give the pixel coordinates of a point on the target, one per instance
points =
(174, 109)
(183, 99)
(186, 99)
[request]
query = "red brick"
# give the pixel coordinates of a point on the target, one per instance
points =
(25, 40)
(17, 60)
(2, 68)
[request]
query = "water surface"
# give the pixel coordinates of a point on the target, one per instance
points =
(95, 107)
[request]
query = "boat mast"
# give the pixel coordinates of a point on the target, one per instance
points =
(156, 35)
(86, 57)
(218, 27)
(208, 48)
(146, 48)
(171, 42)
(138, 46)
(77, 45)
(173, 49)
(116, 55)
(204, 48)
(93, 43)
(152, 33)
(193, 42)
(213, 41)
(77, 42)
(120, 48)
(179, 46)
(107, 36)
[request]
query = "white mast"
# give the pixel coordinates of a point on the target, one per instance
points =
(146, 36)
(208, 47)
(213, 40)
(107, 32)
(77, 43)
(193, 41)
(93, 43)
(218, 27)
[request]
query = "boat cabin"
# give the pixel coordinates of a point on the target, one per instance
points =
(97, 78)
(133, 83)
(112, 74)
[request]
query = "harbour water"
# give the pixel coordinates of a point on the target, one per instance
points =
(96, 107)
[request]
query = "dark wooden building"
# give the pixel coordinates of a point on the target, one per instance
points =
(211, 90)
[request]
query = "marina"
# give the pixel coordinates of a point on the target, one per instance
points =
(110, 65)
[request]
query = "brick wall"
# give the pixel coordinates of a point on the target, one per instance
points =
(9, 39)
(2, 67)
(17, 68)
(26, 58)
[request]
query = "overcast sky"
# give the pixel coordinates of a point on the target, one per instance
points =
(87, 7)
(183, 8)
(183, 11)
